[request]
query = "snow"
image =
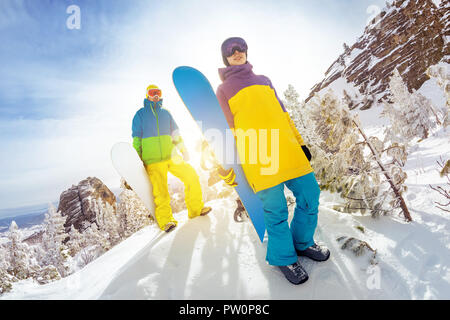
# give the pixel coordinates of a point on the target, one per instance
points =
(437, 2)
(428, 89)
(214, 257)
(338, 86)
(354, 53)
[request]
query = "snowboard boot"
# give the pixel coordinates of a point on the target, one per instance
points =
(294, 273)
(315, 252)
(205, 211)
(169, 227)
(240, 213)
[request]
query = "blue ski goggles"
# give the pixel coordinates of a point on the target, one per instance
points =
(231, 45)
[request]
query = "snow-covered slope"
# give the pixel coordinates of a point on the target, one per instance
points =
(214, 257)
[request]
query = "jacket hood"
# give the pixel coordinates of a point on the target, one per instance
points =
(157, 105)
(242, 71)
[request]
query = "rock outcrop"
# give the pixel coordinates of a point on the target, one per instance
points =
(80, 203)
(410, 35)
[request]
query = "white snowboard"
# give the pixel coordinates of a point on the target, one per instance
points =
(128, 164)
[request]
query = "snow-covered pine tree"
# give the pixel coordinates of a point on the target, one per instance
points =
(19, 260)
(343, 165)
(299, 115)
(131, 212)
(3, 258)
(339, 161)
(108, 225)
(55, 251)
(5, 278)
(409, 113)
(75, 241)
(91, 243)
(392, 172)
(442, 76)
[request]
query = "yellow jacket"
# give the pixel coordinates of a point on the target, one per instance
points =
(269, 145)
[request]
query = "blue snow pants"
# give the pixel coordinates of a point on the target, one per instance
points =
(282, 238)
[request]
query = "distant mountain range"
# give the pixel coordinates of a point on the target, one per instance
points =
(24, 220)
(25, 217)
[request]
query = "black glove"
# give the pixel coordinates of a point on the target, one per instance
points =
(307, 153)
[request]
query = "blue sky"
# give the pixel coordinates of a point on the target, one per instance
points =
(67, 95)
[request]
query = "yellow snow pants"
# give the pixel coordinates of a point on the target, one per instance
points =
(157, 173)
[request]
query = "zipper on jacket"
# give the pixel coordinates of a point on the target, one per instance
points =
(157, 127)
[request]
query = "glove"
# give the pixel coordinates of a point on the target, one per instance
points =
(228, 176)
(307, 153)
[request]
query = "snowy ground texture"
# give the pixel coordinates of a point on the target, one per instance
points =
(214, 257)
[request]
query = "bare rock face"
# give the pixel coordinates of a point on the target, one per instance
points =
(410, 35)
(80, 203)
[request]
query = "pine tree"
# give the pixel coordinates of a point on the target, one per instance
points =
(131, 212)
(297, 112)
(338, 160)
(342, 164)
(409, 114)
(108, 225)
(3, 258)
(19, 254)
(5, 279)
(91, 243)
(393, 173)
(75, 241)
(55, 251)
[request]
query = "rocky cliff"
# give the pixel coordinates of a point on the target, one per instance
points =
(79, 203)
(410, 35)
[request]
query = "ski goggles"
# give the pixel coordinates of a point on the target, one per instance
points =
(230, 46)
(154, 92)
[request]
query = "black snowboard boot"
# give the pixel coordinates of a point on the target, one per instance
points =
(294, 273)
(315, 252)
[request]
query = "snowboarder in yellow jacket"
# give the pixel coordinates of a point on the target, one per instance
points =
(156, 138)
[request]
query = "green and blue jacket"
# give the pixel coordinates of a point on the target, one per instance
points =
(155, 133)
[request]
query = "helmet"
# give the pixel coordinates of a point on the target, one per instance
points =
(230, 45)
(152, 87)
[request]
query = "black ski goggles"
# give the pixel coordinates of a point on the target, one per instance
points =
(232, 45)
